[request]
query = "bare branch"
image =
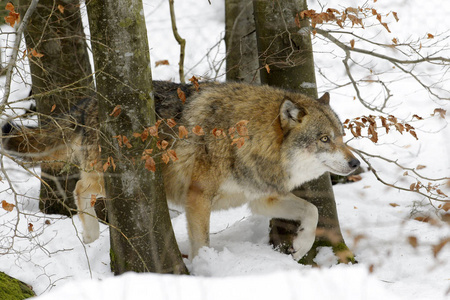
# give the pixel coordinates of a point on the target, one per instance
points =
(180, 40)
(15, 52)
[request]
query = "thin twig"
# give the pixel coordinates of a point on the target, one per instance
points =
(180, 40)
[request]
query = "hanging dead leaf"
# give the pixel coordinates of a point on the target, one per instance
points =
(182, 132)
(241, 128)
(150, 164)
(412, 240)
(34, 53)
(386, 26)
(218, 133)
(126, 142)
(93, 200)
(165, 158)
(239, 142)
(153, 131)
(420, 167)
(430, 36)
(163, 144)
(181, 95)
(395, 41)
(163, 62)
(197, 130)
(53, 108)
(395, 16)
(106, 166)
(440, 193)
(12, 18)
(422, 219)
(173, 155)
(352, 44)
(30, 227)
(116, 111)
(439, 111)
(61, 8)
(413, 133)
(446, 206)
(417, 117)
(267, 68)
(7, 206)
(393, 204)
(194, 81)
(171, 123)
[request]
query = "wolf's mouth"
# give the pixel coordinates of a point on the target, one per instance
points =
(348, 171)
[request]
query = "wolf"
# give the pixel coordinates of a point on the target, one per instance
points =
(258, 144)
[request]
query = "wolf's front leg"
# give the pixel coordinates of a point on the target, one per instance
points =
(198, 212)
(90, 185)
(291, 207)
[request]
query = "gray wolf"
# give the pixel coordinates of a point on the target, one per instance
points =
(288, 139)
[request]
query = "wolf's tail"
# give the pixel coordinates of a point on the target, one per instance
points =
(36, 144)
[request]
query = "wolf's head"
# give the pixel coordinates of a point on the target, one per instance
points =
(313, 141)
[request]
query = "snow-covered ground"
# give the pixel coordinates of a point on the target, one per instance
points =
(394, 251)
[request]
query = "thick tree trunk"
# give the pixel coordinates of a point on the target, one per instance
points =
(61, 77)
(142, 237)
(285, 50)
(240, 39)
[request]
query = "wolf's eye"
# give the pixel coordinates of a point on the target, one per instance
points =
(324, 139)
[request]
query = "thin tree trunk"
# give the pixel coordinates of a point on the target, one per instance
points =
(285, 52)
(142, 238)
(60, 78)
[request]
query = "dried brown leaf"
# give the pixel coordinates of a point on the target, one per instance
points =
(7, 206)
(163, 62)
(116, 111)
(181, 95)
(182, 132)
(197, 130)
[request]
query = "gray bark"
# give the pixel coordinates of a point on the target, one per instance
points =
(60, 79)
(142, 237)
(240, 39)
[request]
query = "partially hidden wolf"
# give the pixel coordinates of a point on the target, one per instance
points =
(292, 139)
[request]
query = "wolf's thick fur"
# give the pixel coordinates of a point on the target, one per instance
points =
(291, 139)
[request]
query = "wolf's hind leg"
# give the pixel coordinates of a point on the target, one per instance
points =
(291, 207)
(89, 186)
(198, 211)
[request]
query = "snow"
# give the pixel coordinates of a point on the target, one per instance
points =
(378, 222)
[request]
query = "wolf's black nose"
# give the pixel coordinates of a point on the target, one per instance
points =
(354, 163)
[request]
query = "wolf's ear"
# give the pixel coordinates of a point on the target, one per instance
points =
(290, 114)
(325, 99)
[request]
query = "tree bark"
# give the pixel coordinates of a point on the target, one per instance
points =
(285, 52)
(60, 78)
(142, 238)
(240, 40)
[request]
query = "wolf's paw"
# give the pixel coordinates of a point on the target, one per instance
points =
(91, 234)
(302, 243)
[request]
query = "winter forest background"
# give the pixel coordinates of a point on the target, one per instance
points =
(393, 216)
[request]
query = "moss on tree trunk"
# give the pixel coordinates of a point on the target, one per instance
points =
(14, 289)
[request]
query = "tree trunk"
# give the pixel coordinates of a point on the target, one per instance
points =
(61, 77)
(285, 50)
(142, 237)
(240, 39)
